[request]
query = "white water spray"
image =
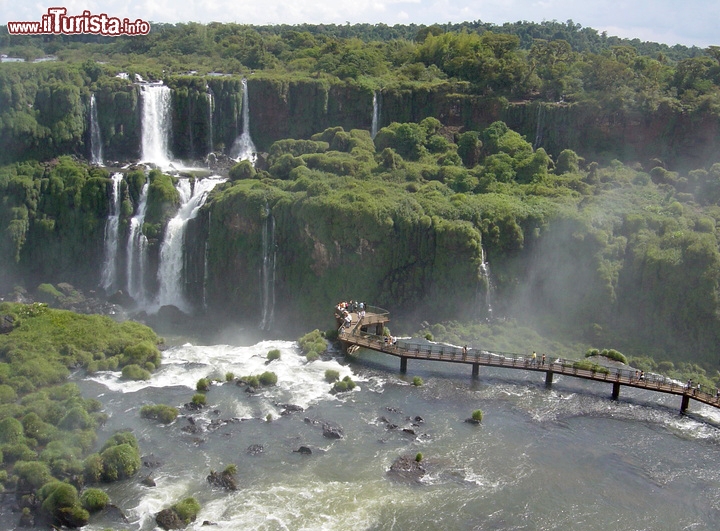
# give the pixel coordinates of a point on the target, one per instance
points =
(485, 272)
(539, 126)
(243, 147)
(267, 273)
(211, 110)
(108, 279)
(376, 114)
(170, 271)
(96, 154)
(137, 251)
(156, 105)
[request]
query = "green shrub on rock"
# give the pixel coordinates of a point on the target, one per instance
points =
(11, 431)
(94, 500)
(161, 412)
(7, 394)
(268, 378)
(274, 354)
(76, 419)
(199, 399)
(120, 462)
(187, 509)
(61, 504)
(31, 475)
(135, 372)
(203, 385)
(313, 341)
(331, 375)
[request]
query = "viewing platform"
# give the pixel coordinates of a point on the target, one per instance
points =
(356, 331)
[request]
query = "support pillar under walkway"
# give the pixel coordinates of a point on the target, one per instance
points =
(548, 378)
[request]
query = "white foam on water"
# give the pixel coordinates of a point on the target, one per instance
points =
(299, 382)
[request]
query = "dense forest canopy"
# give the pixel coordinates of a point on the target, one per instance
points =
(550, 60)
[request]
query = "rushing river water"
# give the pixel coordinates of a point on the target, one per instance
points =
(566, 457)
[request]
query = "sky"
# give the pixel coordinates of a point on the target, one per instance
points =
(688, 22)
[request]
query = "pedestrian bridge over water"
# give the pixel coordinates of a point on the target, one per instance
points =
(367, 332)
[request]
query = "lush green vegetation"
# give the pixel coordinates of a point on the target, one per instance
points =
(477, 415)
(203, 385)
(308, 77)
(344, 385)
(331, 375)
(161, 412)
(417, 381)
(312, 344)
(273, 354)
(607, 353)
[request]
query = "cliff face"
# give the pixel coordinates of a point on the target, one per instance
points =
(44, 112)
(319, 251)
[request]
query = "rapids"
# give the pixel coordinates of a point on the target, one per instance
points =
(565, 457)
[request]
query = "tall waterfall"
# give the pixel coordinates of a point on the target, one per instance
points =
(108, 279)
(267, 272)
(96, 154)
(211, 110)
(539, 126)
(376, 114)
(485, 272)
(137, 251)
(156, 109)
(170, 270)
(243, 147)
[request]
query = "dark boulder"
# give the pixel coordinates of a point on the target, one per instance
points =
(407, 468)
(223, 480)
(332, 432)
(304, 450)
(255, 449)
(169, 519)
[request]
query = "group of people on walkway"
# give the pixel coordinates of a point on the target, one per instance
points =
(344, 311)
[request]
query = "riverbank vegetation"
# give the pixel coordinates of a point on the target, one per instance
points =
(47, 429)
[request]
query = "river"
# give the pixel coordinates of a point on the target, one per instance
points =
(565, 457)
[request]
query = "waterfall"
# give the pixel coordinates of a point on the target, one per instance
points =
(243, 147)
(156, 109)
(485, 272)
(539, 126)
(267, 272)
(170, 271)
(96, 154)
(376, 114)
(137, 251)
(108, 279)
(211, 109)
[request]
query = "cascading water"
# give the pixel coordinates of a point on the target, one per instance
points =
(539, 127)
(170, 271)
(211, 109)
(267, 273)
(96, 154)
(137, 251)
(485, 272)
(108, 280)
(243, 147)
(376, 114)
(156, 105)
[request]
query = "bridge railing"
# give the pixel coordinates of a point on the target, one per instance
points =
(558, 365)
